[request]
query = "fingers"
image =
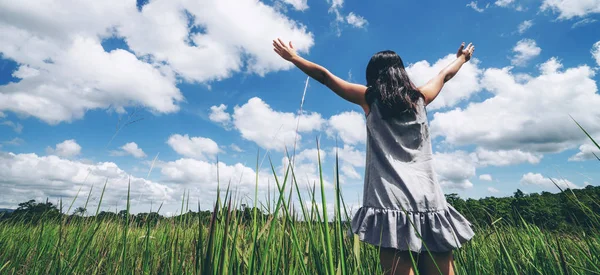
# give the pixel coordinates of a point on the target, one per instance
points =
(281, 43)
(291, 46)
(462, 46)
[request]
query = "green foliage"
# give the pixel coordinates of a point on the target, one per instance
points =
(562, 211)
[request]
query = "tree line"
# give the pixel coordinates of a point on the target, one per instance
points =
(571, 209)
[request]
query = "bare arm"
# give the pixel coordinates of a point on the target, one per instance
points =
(354, 93)
(432, 88)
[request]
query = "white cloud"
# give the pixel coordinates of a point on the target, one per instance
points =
(583, 22)
(473, 5)
(65, 71)
(14, 142)
(300, 5)
(351, 19)
(82, 77)
(25, 72)
(336, 3)
(219, 115)
(195, 147)
(493, 190)
(306, 167)
(356, 20)
(454, 169)
(201, 175)
(461, 87)
(568, 9)
(349, 171)
(28, 176)
(525, 114)
(251, 120)
(236, 148)
(130, 148)
(505, 157)
(539, 180)
(586, 152)
(68, 148)
(349, 126)
(349, 158)
(525, 50)
(596, 52)
(503, 3)
(17, 127)
(311, 156)
(525, 25)
(161, 30)
(485, 177)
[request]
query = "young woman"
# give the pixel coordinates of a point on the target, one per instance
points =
(404, 210)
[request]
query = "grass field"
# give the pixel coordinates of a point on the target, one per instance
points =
(226, 243)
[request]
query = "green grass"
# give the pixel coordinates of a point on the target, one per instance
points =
(227, 244)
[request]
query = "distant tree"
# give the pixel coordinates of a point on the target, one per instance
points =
(80, 211)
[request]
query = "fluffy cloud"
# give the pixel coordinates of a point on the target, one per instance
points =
(297, 4)
(503, 3)
(29, 176)
(541, 181)
(504, 157)
(356, 20)
(473, 5)
(525, 50)
(236, 148)
(219, 115)
(522, 112)
(130, 148)
(454, 169)
(568, 9)
(586, 152)
(202, 175)
(306, 167)
(194, 147)
(596, 52)
(349, 159)
(351, 19)
(485, 177)
(461, 87)
(493, 190)
(164, 30)
(64, 70)
(525, 25)
(258, 122)
(349, 126)
(81, 77)
(68, 148)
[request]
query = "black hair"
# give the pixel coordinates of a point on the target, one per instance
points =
(388, 82)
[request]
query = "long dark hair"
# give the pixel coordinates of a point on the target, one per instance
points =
(388, 82)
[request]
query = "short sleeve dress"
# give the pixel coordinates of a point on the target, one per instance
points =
(403, 204)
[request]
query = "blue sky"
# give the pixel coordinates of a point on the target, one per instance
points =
(90, 92)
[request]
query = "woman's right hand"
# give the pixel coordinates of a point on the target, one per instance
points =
(465, 53)
(287, 53)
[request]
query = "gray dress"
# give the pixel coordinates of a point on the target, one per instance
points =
(403, 205)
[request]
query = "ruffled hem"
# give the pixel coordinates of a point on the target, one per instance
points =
(436, 231)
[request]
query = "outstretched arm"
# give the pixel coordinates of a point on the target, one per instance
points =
(354, 93)
(432, 88)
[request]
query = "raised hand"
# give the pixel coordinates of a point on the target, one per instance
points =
(465, 52)
(287, 53)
